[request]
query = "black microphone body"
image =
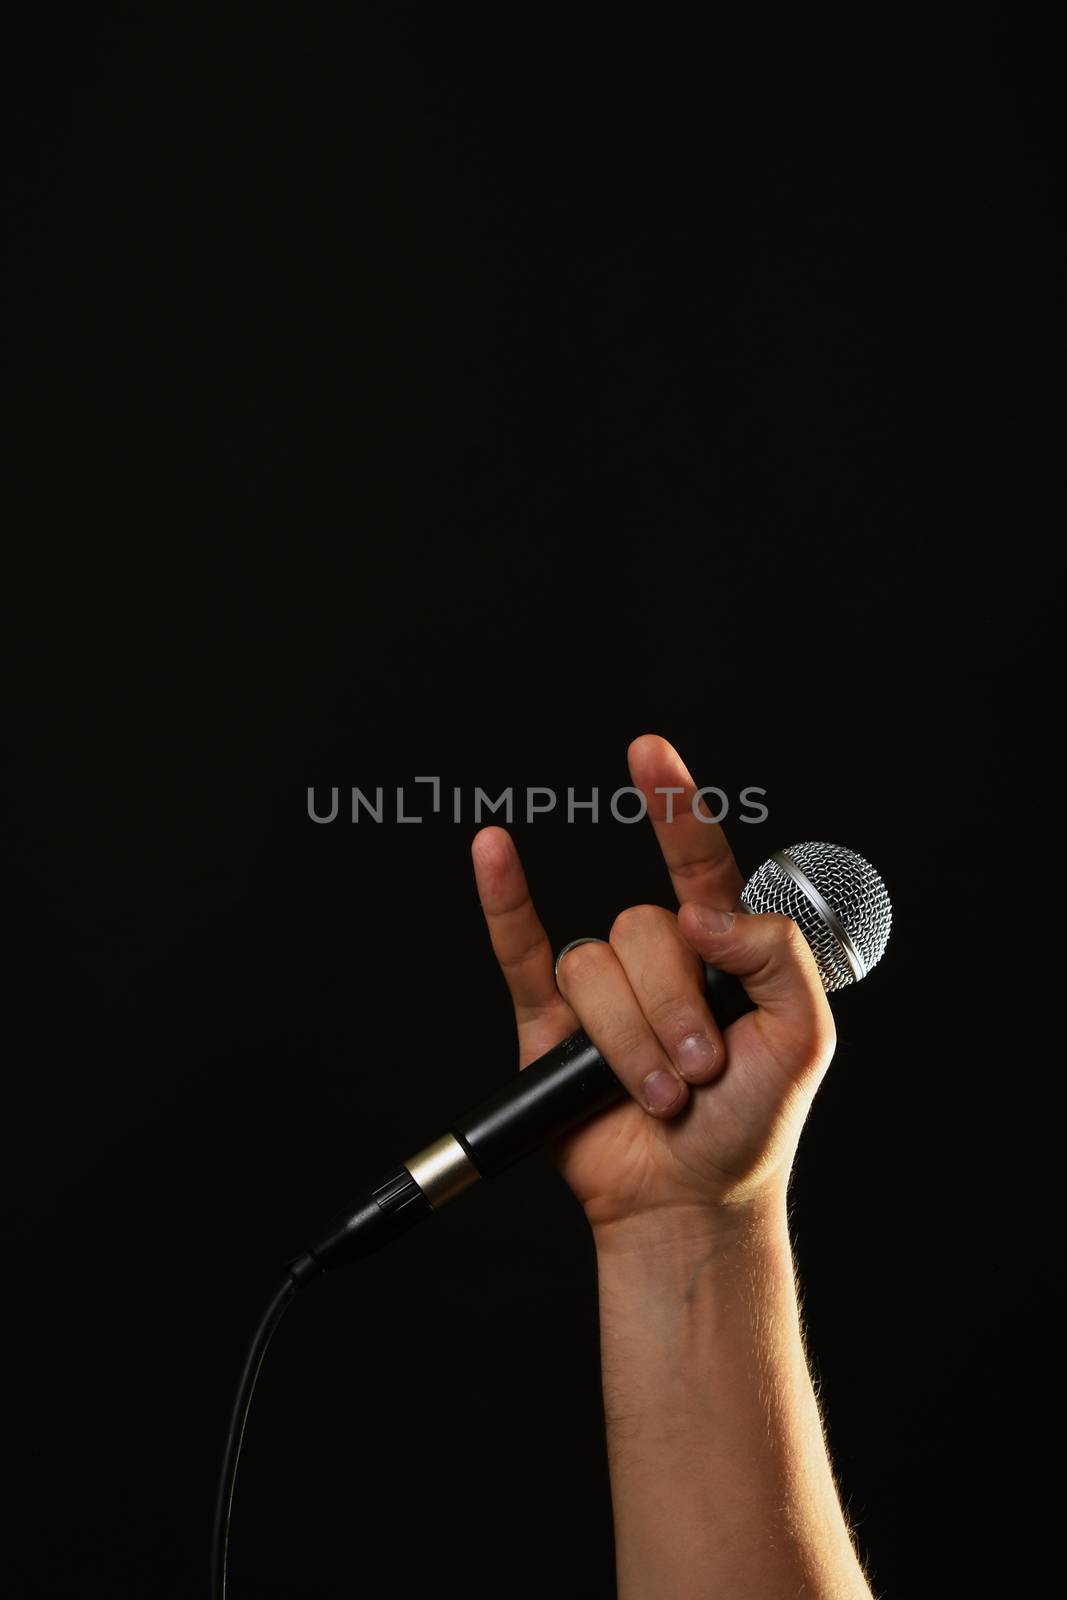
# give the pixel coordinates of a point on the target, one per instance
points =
(561, 1089)
(564, 1087)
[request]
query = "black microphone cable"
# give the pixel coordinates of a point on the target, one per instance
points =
(564, 1087)
(303, 1267)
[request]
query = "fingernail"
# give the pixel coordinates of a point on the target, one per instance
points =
(713, 921)
(660, 1090)
(696, 1054)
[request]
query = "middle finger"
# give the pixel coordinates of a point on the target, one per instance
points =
(667, 980)
(592, 981)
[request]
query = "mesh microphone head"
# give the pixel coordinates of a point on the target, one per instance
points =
(836, 899)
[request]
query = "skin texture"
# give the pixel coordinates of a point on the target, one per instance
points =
(721, 1483)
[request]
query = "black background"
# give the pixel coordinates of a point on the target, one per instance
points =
(417, 393)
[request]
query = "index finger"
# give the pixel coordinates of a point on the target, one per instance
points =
(699, 860)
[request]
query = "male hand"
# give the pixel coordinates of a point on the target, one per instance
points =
(713, 1118)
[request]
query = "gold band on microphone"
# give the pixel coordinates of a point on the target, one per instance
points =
(443, 1169)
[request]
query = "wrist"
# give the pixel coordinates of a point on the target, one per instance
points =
(687, 1234)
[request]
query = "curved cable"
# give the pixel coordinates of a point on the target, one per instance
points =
(220, 1539)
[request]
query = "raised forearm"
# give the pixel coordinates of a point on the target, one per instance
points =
(721, 1483)
(720, 1480)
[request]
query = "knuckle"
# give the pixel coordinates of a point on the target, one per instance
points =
(580, 965)
(521, 954)
(786, 949)
(671, 1017)
(825, 1028)
(628, 1043)
(781, 930)
(636, 922)
(805, 1045)
(820, 1033)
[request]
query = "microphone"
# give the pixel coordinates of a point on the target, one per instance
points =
(841, 906)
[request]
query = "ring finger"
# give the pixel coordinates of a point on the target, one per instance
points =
(592, 981)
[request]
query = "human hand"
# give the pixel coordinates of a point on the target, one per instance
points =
(713, 1119)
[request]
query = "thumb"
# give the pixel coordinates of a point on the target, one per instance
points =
(773, 961)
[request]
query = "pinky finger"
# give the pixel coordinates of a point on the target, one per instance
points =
(519, 940)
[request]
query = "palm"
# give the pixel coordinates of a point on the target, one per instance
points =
(731, 1131)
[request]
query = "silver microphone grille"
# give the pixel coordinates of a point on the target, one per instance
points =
(836, 899)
